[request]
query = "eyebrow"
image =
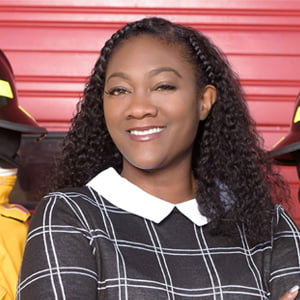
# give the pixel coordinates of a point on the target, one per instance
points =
(118, 74)
(152, 73)
(164, 69)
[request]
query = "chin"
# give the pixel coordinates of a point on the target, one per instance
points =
(145, 165)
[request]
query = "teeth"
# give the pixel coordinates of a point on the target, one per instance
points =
(145, 132)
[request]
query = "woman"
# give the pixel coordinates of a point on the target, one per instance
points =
(167, 192)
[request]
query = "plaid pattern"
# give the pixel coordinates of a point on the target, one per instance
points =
(81, 246)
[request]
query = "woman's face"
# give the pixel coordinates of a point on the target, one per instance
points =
(152, 105)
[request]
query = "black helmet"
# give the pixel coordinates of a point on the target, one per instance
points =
(287, 150)
(13, 116)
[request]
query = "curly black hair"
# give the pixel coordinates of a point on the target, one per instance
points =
(236, 180)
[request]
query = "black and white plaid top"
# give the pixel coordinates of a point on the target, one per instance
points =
(111, 240)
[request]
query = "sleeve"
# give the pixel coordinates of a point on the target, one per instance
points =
(58, 261)
(285, 258)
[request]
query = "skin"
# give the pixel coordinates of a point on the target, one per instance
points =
(154, 93)
(289, 295)
(152, 89)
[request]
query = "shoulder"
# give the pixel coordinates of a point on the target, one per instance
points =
(76, 203)
(75, 206)
(285, 239)
(71, 197)
(283, 224)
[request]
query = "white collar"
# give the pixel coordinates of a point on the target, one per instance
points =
(127, 196)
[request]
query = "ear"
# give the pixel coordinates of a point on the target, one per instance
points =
(207, 99)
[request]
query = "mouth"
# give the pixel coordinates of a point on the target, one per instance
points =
(144, 134)
(149, 131)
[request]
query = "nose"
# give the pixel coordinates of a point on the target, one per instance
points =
(141, 106)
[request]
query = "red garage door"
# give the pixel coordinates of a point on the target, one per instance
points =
(52, 46)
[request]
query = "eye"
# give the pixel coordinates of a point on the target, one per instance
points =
(117, 91)
(165, 87)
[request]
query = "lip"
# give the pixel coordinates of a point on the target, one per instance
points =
(145, 133)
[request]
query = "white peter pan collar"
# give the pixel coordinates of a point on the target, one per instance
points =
(127, 196)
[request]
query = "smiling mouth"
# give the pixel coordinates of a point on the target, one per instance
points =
(146, 131)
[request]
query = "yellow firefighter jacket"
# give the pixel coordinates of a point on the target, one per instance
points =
(13, 230)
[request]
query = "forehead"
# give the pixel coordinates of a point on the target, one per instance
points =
(145, 51)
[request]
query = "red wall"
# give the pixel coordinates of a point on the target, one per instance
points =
(53, 45)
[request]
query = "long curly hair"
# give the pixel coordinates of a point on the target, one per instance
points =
(236, 181)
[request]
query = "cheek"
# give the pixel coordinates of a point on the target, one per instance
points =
(185, 111)
(114, 123)
(110, 119)
(188, 122)
(110, 112)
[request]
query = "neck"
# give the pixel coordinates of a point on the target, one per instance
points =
(169, 185)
